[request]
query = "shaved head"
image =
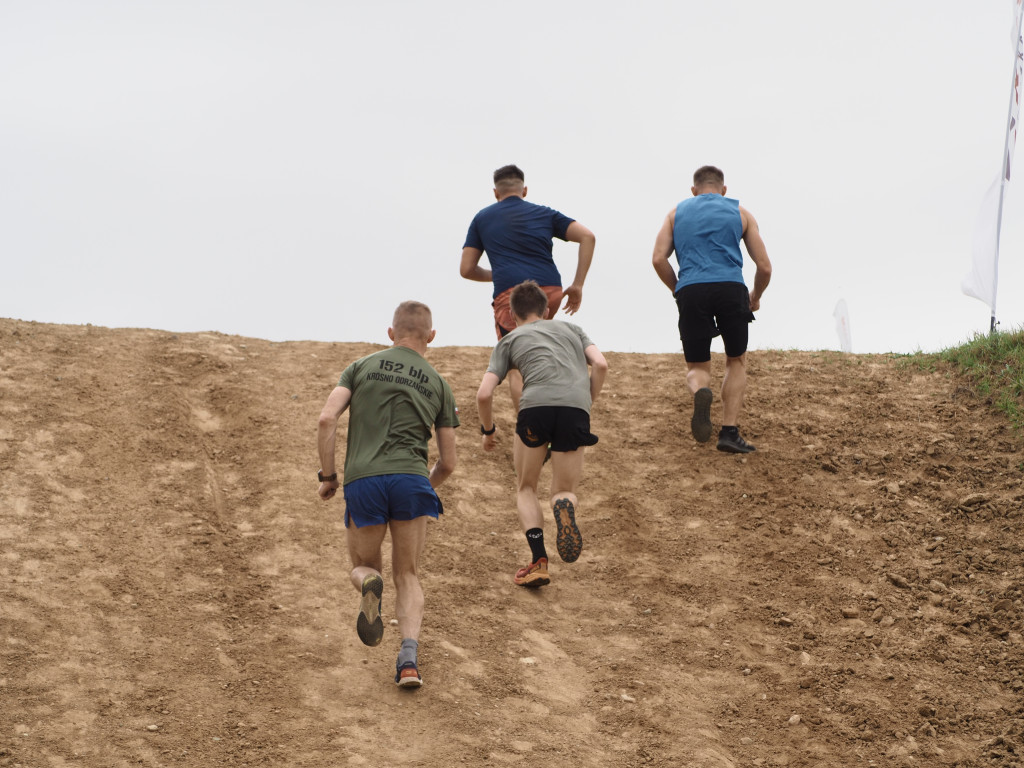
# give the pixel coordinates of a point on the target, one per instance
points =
(412, 319)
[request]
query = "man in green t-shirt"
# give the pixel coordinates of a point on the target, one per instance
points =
(558, 390)
(396, 398)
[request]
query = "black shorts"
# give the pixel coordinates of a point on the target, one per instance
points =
(709, 309)
(565, 428)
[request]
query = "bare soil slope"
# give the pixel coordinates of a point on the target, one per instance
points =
(173, 592)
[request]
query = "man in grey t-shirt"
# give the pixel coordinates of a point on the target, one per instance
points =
(558, 390)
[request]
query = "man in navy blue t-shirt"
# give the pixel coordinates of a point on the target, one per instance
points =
(517, 237)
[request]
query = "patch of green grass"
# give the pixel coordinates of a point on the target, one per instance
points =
(994, 366)
(920, 360)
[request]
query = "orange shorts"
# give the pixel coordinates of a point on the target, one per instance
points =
(503, 320)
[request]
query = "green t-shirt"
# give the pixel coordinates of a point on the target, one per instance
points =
(549, 354)
(397, 398)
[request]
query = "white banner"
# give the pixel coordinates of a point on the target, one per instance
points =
(982, 281)
(842, 316)
(1018, 66)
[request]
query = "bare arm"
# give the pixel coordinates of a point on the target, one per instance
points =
(470, 267)
(759, 255)
(485, 406)
(445, 464)
(327, 431)
(577, 233)
(598, 370)
(664, 246)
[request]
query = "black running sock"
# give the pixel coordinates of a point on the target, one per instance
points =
(729, 431)
(408, 652)
(535, 538)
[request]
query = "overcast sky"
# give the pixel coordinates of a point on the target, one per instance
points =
(293, 170)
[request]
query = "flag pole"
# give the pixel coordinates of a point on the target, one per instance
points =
(1018, 52)
(995, 265)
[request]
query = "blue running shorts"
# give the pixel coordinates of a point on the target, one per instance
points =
(378, 499)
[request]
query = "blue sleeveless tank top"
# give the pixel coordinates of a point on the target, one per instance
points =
(706, 235)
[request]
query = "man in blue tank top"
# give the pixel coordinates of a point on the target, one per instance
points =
(705, 232)
(517, 237)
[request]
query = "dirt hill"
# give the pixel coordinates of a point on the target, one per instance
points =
(173, 592)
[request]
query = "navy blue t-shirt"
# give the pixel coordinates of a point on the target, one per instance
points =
(516, 236)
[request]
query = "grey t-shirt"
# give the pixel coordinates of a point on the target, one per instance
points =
(549, 355)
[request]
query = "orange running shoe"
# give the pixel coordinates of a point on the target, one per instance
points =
(533, 575)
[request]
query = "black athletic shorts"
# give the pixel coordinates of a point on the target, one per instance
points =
(709, 309)
(565, 428)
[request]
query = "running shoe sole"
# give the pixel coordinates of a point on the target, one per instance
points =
(369, 625)
(569, 540)
(700, 424)
(534, 580)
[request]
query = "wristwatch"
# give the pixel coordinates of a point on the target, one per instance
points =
(325, 478)
(490, 431)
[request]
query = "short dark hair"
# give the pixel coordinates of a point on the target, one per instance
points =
(708, 174)
(508, 173)
(527, 299)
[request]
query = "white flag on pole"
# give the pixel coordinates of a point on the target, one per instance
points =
(982, 282)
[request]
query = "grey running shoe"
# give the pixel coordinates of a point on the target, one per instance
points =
(569, 541)
(733, 443)
(700, 424)
(369, 625)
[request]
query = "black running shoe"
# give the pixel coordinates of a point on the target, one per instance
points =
(369, 625)
(733, 443)
(700, 424)
(569, 540)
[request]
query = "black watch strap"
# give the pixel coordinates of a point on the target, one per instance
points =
(490, 431)
(325, 478)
